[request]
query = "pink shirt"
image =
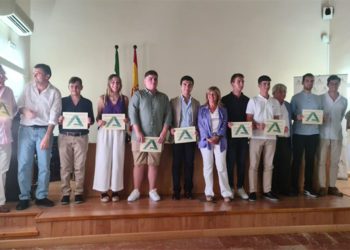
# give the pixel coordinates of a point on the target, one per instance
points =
(7, 105)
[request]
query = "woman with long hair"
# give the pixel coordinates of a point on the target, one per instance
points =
(110, 146)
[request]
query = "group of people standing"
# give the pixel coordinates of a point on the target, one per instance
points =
(151, 114)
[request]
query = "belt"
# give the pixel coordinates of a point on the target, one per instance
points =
(37, 126)
(75, 134)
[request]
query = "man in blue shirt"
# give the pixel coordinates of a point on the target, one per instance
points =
(305, 136)
(185, 113)
(73, 143)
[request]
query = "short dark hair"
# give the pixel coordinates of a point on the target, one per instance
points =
(332, 78)
(307, 75)
(75, 79)
(236, 75)
(186, 78)
(44, 67)
(264, 78)
(151, 73)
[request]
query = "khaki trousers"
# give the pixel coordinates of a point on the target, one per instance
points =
(335, 147)
(72, 151)
(256, 148)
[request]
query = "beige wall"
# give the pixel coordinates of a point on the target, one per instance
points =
(209, 40)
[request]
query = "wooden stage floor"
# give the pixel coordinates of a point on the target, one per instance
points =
(94, 221)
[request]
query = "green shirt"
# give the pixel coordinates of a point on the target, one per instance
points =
(150, 112)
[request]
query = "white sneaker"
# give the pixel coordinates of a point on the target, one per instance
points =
(135, 195)
(242, 194)
(154, 195)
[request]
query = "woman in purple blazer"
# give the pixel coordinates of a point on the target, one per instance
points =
(212, 121)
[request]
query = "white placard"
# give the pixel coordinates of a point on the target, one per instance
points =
(114, 121)
(312, 116)
(151, 145)
(4, 112)
(75, 120)
(183, 135)
(274, 127)
(241, 129)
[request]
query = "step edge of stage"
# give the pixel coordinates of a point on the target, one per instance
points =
(156, 214)
(167, 235)
(18, 232)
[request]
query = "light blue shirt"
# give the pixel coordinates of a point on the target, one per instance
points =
(334, 113)
(301, 101)
(186, 113)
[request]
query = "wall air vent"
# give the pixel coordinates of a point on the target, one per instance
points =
(12, 15)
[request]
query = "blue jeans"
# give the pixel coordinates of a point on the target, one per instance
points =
(29, 139)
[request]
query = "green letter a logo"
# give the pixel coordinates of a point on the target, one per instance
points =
(75, 120)
(113, 123)
(151, 145)
(185, 135)
(312, 117)
(274, 128)
(241, 130)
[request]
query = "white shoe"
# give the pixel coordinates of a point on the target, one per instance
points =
(154, 195)
(135, 195)
(242, 194)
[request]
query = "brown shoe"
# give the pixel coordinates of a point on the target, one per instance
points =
(334, 191)
(4, 209)
(322, 191)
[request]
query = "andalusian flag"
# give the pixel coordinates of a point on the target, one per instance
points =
(116, 64)
(135, 78)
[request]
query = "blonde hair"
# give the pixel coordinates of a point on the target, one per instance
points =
(217, 92)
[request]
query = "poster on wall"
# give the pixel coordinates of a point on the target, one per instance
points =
(320, 84)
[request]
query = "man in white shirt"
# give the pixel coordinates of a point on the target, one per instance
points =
(8, 110)
(40, 106)
(260, 109)
(334, 106)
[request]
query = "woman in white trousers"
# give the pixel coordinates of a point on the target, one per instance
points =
(110, 146)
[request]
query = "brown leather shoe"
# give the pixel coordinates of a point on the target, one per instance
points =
(4, 209)
(334, 191)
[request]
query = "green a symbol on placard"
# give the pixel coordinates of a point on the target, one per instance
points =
(274, 128)
(151, 145)
(3, 109)
(312, 117)
(185, 135)
(75, 121)
(242, 130)
(113, 122)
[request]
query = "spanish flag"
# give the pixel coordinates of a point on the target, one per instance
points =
(135, 78)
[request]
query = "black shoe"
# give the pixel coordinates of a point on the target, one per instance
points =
(293, 193)
(176, 196)
(79, 199)
(310, 193)
(189, 195)
(252, 196)
(270, 196)
(44, 202)
(65, 200)
(22, 204)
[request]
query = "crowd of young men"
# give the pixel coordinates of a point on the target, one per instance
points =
(151, 114)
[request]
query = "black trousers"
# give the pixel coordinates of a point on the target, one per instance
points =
(309, 144)
(237, 149)
(282, 166)
(183, 155)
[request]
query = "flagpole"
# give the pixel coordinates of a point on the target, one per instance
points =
(116, 63)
